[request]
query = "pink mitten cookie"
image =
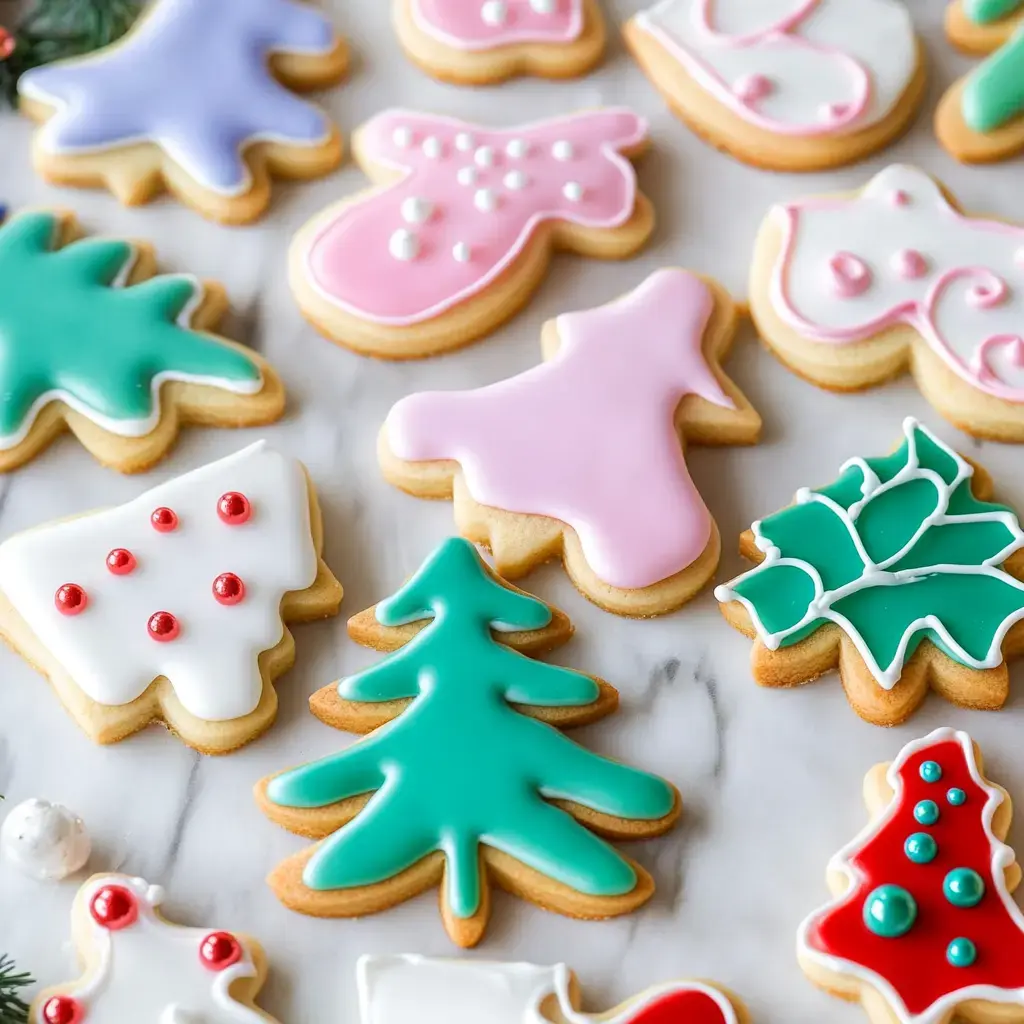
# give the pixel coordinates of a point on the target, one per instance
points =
(140, 967)
(480, 41)
(172, 607)
(459, 230)
(922, 928)
(795, 85)
(850, 290)
(399, 989)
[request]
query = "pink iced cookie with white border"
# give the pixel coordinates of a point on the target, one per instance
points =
(582, 457)
(852, 289)
(794, 85)
(458, 231)
(140, 967)
(481, 41)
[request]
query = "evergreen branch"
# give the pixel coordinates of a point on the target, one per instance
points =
(57, 29)
(13, 1009)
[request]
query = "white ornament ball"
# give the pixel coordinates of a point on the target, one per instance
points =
(44, 840)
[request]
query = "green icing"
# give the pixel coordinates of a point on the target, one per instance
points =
(897, 550)
(994, 92)
(461, 767)
(984, 12)
(64, 327)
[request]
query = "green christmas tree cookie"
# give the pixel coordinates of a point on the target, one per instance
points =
(91, 340)
(464, 779)
(902, 573)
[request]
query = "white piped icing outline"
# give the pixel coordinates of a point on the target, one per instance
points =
(876, 574)
(1002, 858)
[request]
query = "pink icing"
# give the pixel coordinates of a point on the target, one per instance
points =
(988, 290)
(909, 264)
(751, 88)
(589, 438)
(488, 191)
(898, 197)
(850, 275)
(782, 34)
(1012, 344)
(466, 25)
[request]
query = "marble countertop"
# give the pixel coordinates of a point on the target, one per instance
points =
(770, 779)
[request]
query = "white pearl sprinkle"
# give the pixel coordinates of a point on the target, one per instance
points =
(460, 252)
(432, 148)
(416, 210)
(562, 150)
(402, 136)
(466, 176)
(485, 199)
(464, 142)
(573, 191)
(404, 245)
(484, 157)
(544, 6)
(517, 149)
(494, 12)
(516, 180)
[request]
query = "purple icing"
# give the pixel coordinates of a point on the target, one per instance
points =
(193, 78)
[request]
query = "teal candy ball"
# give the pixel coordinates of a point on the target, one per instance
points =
(931, 771)
(926, 812)
(961, 952)
(890, 911)
(956, 797)
(963, 887)
(921, 848)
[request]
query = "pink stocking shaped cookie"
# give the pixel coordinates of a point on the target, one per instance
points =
(140, 967)
(458, 232)
(479, 41)
(581, 457)
(852, 289)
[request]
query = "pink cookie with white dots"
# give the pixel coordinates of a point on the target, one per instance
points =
(140, 967)
(459, 228)
(172, 607)
(853, 289)
(481, 41)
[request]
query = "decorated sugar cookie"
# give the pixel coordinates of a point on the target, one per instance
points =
(464, 780)
(922, 928)
(140, 967)
(981, 117)
(172, 607)
(480, 41)
(401, 989)
(94, 341)
(794, 85)
(582, 457)
(457, 233)
(198, 98)
(850, 290)
(903, 573)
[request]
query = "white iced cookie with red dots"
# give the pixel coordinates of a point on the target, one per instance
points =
(172, 607)
(793, 85)
(44, 840)
(480, 41)
(458, 229)
(140, 967)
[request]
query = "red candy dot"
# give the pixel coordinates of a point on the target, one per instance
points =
(164, 520)
(114, 907)
(70, 599)
(163, 626)
(62, 1010)
(228, 588)
(121, 561)
(234, 508)
(220, 950)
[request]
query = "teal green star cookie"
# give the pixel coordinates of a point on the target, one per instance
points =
(91, 340)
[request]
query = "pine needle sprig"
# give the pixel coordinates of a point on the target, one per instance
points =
(13, 1009)
(56, 29)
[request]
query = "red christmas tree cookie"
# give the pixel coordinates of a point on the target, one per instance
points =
(923, 929)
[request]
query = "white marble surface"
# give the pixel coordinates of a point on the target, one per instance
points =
(771, 780)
